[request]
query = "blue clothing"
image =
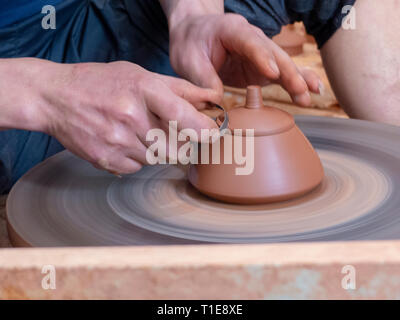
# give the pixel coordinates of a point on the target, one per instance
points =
(320, 17)
(131, 30)
(12, 11)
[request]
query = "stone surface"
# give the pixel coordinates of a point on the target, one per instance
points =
(285, 271)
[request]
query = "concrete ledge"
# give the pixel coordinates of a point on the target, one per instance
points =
(288, 271)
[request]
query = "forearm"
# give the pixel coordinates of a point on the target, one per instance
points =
(22, 84)
(177, 10)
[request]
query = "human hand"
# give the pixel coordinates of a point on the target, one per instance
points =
(212, 49)
(102, 112)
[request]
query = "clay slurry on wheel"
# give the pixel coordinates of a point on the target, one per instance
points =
(163, 202)
(69, 203)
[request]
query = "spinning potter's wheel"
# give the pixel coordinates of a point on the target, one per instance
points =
(66, 202)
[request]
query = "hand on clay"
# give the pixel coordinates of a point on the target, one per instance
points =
(212, 49)
(102, 112)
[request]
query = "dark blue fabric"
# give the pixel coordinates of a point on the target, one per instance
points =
(321, 17)
(132, 30)
(12, 11)
(20, 150)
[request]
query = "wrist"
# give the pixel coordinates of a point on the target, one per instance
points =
(178, 10)
(21, 102)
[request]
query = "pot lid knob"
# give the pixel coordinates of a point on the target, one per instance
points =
(255, 115)
(254, 98)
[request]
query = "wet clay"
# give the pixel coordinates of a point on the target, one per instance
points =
(285, 163)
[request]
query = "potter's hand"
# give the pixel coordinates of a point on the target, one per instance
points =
(206, 49)
(102, 112)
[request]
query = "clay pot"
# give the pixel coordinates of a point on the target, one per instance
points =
(290, 40)
(285, 164)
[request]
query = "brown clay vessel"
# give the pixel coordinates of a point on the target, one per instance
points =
(285, 164)
(290, 40)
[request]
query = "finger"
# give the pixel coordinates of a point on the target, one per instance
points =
(169, 107)
(197, 96)
(125, 166)
(313, 81)
(291, 79)
(118, 165)
(257, 48)
(238, 36)
(138, 151)
(145, 139)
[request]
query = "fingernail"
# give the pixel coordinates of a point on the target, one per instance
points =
(201, 105)
(115, 174)
(302, 99)
(103, 163)
(321, 88)
(274, 67)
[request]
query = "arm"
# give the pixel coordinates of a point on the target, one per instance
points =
(101, 112)
(20, 100)
(363, 65)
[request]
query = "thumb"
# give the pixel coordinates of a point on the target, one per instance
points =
(200, 71)
(197, 96)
